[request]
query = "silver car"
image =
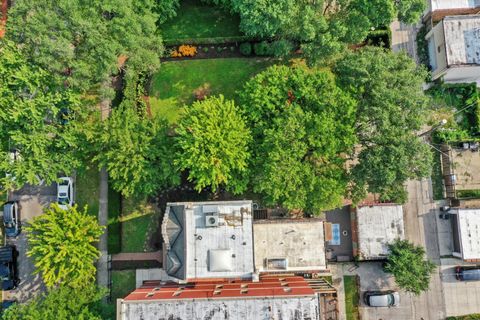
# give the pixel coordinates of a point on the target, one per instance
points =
(65, 192)
(381, 298)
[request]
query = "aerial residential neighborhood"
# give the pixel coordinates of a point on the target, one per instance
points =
(240, 159)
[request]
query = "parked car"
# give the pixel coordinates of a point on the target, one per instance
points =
(467, 273)
(11, 219)
(381, 298)
(65, 192)
(7, 304)
(8, 268)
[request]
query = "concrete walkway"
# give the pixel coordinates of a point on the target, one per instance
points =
(404, 39)
(102, 264)
(138, 256)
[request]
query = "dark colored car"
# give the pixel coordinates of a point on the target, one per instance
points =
(7, 304)
(381, 298)
(8, 269)
(467, 273)
(11, 219)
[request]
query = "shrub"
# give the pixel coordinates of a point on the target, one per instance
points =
(205, 49)
(187, 50)
(246, 48)
(219, 49)
(232, 49)
(262, 49)
(281, 48)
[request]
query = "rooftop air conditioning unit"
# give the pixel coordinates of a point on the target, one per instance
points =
(211, 220)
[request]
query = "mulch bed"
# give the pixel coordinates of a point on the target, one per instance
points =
(211, 51)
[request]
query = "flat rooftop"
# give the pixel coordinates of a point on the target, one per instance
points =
(468, 222)
(454, 4)
(208, 239)
(377, 226)
(462, 39)
(287, 244)
(272, 298)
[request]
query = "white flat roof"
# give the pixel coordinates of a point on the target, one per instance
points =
(301, 242)
(377, 226)
(469, 233)
(462, 39)
(195, 249)
(454, 4)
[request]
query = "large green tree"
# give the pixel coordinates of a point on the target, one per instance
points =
(390, 113)
(325, 27)
(302, 125)
(80, 41)
(39, 119)
(62, 244)
(212, 141)
(136, 150)
(63, 302)
(408, 264)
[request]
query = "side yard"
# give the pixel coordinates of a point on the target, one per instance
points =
(352, 297)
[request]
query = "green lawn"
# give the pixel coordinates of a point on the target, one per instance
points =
(123, 282)
(198, 20)
(437, 178)
(351, 297)
(87, 190)
(139, 220)
(87, 193)
(172, 87)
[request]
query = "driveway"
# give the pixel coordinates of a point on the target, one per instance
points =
(31, 200)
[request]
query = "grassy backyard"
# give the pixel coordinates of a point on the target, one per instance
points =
(351, 297)
(139, 220)
(123, 282)
(199, 20)
(173, 86)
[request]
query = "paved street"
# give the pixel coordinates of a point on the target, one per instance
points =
(31, 202)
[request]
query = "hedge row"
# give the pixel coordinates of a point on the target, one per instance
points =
(198, 41)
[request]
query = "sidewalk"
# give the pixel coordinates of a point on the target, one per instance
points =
(404, 39)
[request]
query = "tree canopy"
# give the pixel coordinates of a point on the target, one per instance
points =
(59, 303)
(302, 124)
(323, 28)
(136, 150)
(80, 41)
(212, 141)
(39, 121)
(62, 244)
(407, 263)
(391, 110)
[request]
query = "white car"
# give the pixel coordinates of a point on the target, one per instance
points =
(65, 192)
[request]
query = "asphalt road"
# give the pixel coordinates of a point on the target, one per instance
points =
(31, 203)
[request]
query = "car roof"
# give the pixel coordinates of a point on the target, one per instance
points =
(471, 274)
(7, 211)
(379, 301)
(6, 254)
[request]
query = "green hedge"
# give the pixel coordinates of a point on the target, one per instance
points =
(475, 194)
(475, 316)
(198, 41)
